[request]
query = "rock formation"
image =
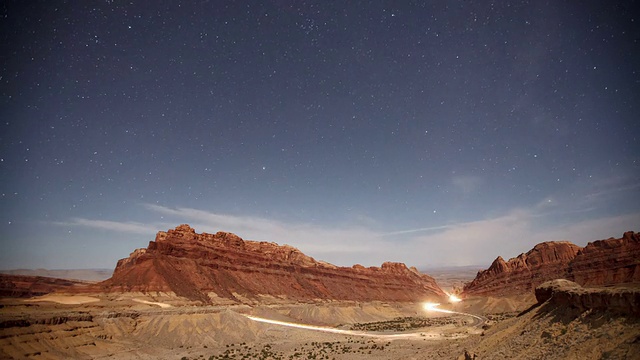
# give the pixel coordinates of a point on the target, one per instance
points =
(546, 261)
(204, 266)
(28, 286)
(569, 322)
(561, 292)
(606, 262)
(602, 262)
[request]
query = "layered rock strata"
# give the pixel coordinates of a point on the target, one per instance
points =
(546, 261)
(602, 262)
(202, 266)
(561, 292)
(606, 262)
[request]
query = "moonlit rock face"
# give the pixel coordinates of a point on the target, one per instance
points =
(521, 274)
(603, 262)
(193, 265)
(607, 262)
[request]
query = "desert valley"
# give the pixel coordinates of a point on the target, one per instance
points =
(309, 179)
(216, 296)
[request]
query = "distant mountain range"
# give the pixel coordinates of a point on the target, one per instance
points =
(73, 274)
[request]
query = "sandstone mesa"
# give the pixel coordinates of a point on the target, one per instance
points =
(602, 262)
(222, 265)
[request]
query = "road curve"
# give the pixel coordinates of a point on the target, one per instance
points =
(477, 322)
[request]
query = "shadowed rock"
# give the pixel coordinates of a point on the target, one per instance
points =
(561, 292)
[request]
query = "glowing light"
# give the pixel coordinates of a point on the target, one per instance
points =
(453, 298)
(410, 335)
(429, 306)
(299, 326)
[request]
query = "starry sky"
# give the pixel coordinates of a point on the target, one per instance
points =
(428, 132)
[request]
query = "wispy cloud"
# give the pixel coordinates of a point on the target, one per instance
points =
(418, 230)
(546, 207)
(474, 242)
(601, 193)
(126, 227)
(220, 221)
(464, 243)
(516, 232)
(337, 243)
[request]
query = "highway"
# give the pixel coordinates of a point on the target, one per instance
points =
(477, 321)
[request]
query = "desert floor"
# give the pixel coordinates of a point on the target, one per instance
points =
(139, 326)
(164, 326)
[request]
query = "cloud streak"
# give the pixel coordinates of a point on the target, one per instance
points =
(482, 241)
(465, 243)
(125, 227)
(338, 243)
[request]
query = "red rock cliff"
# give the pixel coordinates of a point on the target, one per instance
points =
(193, 265)
(602, 262)
(546, 261)
(606, 262)
(561, 292)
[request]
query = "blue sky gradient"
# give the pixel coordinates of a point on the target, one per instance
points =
(432, 133)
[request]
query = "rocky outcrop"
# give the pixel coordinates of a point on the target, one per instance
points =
(569, 322)
(546, 261)
(561, 292)
(606, 262)
(602, 262)
(202, 266)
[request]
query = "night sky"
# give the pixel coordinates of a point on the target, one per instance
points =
(431, 133)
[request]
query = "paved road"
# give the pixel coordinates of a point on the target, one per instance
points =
(477, 321)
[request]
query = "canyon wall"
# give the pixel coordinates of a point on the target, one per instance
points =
(602, 262)
(546, 261)
(607, 262)
(205, 266)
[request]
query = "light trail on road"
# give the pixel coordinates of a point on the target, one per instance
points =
(413, 335)
(409, 335)
(429, 306)
(302, 326)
